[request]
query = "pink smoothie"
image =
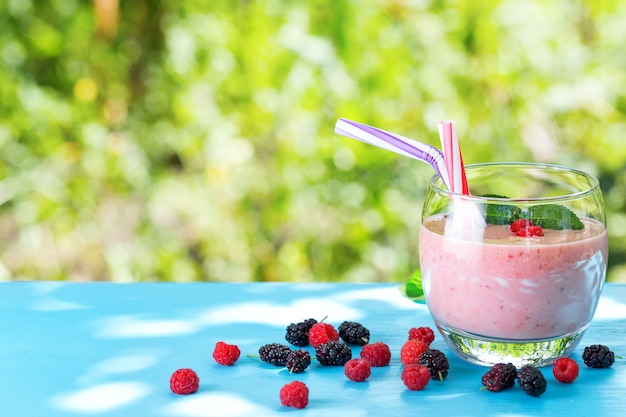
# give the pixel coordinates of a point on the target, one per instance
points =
(510, 287)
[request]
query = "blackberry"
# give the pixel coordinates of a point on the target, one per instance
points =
(354, 333)
(298, 361)
(436, 362)
(274, 354)
(298, 333)
(598, 356)
(531, 381)
(333, 353)
(499, 377)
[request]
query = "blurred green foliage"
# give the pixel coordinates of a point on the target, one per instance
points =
(193, 140)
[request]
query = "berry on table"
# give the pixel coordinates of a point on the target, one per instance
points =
(531, 381)
(425, 334)
(294, 394)
(415, 377)
(357, 369)
(499, 377)
(184, 381)
(274, 353)
(565, 369)
(298, 333)
(333, 353)
(411, 351)
(354, 333)
(297, 361)
(378, 354)
(322, 333)
(598, 356)
(436, 362)
(226, 354)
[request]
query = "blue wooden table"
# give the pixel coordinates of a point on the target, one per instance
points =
(100, 349)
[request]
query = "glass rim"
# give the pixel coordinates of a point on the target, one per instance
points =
(594, 184)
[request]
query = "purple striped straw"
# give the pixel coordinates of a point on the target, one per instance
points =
(395, 143)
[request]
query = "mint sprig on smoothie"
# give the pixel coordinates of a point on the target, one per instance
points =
(548, 216)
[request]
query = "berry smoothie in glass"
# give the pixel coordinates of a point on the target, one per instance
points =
(514, 271)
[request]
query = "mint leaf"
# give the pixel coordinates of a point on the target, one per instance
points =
(552, 216)
(413, 287)
(500, 213)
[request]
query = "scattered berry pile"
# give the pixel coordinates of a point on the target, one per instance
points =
(421, 363)
(531, 380)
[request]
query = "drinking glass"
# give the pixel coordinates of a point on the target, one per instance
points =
(514, 271)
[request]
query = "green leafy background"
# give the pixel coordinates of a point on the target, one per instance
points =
(193, 140)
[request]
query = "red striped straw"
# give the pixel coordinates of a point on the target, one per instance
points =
(453, 157)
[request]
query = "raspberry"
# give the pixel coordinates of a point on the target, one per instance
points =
(411, 351)
(294, 394)
(298, 333)
(322, 333)
(525, 228)
(184, 381)
(499, 377)
(520, 224)
(226, 354)
(436, 362)
(598, 356)
(415, 377)
(531, 381)
(378, 354)
(425, 334)
(565, 369)
(298, 361)
(333, 353)
(274, 354)
(530, 231)
(357, 370)
(354, 333)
